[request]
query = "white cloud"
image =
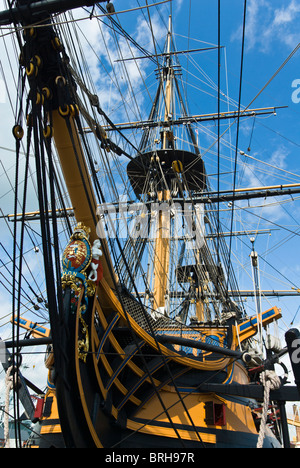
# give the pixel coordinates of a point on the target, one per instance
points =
(253, 17)
(267, 25)
(278, 158)
(117, 81)
(178, 5)
(286, 14)
(256, 174)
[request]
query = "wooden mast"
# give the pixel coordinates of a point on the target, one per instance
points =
(162, 238)
(163, 226)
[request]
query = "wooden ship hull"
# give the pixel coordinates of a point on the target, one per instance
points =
(107, 395)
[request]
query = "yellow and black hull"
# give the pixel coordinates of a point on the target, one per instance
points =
(126, 390)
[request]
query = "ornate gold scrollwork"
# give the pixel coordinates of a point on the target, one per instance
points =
(91, 288)
(70, 279)
(84, 342)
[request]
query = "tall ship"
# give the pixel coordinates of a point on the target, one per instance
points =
(128, 220)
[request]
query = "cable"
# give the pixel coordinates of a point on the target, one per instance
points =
(275, 74)
(219, 109)
(237, 132)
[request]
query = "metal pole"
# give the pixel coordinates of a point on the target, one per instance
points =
(204, 346)
(292, 338)
(284, 425)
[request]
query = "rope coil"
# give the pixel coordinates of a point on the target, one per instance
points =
(270, 381)
(9, 384)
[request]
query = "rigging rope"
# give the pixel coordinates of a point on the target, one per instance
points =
(237, 132)
(270, 381)
(275, 74)
(9, 385)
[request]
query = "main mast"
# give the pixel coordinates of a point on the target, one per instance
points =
(162, 238)
(167, 169)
